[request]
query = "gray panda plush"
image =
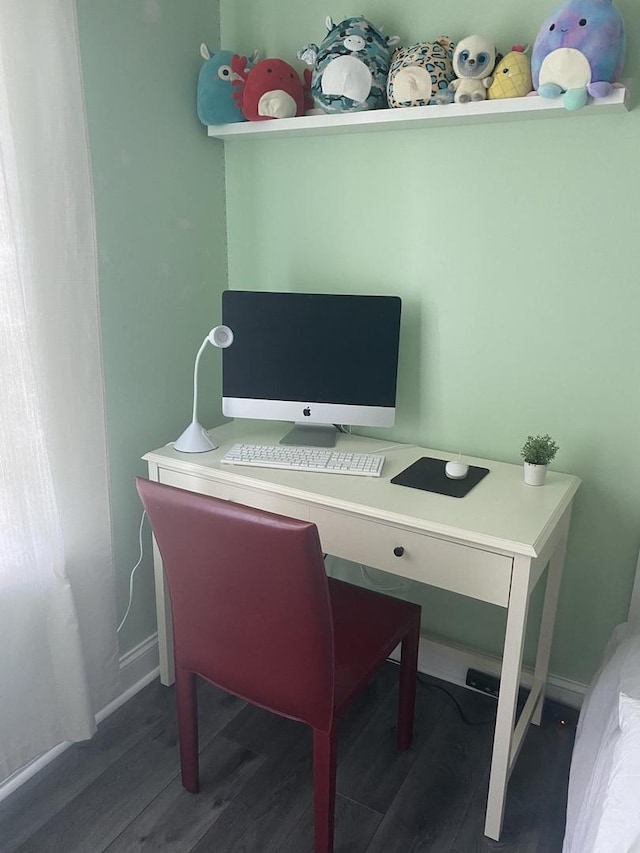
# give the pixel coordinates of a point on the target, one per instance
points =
(473, 62)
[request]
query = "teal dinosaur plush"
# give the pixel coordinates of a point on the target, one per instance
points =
(215, 103)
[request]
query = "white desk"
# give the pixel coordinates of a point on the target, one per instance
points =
(492, 545)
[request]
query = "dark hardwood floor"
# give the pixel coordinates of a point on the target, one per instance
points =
(121, 792)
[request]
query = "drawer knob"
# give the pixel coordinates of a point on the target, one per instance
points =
(398, 550)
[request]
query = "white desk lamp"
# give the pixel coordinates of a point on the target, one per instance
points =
(195, 439)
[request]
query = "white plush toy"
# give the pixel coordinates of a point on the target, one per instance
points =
(473, 61)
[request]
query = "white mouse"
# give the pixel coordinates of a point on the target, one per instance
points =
(456, 469)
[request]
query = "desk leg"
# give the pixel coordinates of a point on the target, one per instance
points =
(163, 607)
(552, 592)
(509, 684)
(165, 623)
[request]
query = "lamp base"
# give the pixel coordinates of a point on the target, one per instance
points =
(194, 440)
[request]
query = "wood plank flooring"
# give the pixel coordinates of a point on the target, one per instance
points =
(121, 791)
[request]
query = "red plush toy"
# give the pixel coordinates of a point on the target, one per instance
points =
(269, 89)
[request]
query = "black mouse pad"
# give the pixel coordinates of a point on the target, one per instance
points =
(428, 474)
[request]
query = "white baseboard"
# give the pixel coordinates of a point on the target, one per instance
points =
(450, 663)
(25, 773)
(138, 668)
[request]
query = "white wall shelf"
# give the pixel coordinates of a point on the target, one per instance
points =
(507, 109)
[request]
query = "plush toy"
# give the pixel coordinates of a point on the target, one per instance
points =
(419, 72)
(350, 66)
(578, 52)
(473, 62)
(512, 75)
(215, 103)
(270, 89)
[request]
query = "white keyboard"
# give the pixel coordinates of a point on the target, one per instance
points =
(296, 458)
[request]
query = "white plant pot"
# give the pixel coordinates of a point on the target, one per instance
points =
(534, 474)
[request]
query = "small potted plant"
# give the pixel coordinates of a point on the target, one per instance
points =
(537, 452)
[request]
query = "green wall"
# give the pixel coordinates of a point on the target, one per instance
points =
(159, 187)
(515, 248)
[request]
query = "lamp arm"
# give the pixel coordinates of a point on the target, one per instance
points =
(194, 439)
(194, 416)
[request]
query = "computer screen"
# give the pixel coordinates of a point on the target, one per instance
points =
(314, 359)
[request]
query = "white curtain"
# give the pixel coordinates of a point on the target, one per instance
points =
(58, 642)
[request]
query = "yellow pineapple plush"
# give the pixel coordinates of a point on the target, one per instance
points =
(512, 77)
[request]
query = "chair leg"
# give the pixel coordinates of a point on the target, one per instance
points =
(407, 688)
(187, 705)
(324, 788)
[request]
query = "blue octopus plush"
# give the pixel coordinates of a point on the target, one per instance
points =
(579, 52)
(350, 67)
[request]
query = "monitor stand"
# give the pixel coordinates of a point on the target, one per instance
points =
(311, 435)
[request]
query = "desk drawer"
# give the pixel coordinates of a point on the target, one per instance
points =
(237, 494)
(428, 559)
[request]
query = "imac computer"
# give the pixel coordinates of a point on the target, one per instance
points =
(315, 359)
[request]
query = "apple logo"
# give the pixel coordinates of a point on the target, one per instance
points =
(307, 412)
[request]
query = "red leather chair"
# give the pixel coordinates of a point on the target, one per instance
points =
(255, 614)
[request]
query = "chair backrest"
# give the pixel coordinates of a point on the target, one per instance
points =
(249, 598)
